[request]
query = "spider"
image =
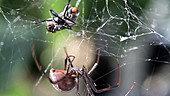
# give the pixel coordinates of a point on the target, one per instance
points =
(64, 20)
(67, 79)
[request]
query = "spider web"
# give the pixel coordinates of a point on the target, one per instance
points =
(135, 31)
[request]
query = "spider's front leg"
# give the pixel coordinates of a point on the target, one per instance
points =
(49, 19)
(66, 7)
(40, 67)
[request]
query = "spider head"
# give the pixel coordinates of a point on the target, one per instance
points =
(72, 13)
(74, 10)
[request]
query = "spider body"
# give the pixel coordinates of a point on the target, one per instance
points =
(67, 79)
(64, 20)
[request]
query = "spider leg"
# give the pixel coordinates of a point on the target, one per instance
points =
(38, 65)
(87, 86)
(93, 86)
(68, 67)
(85, 92)
(54, 13)
(118, 72)
(105, 89)
(69, 20)
(49, 19)
(77, 84)
(96, 64)
(130, 89)
(70, 61)
(67, 59)
(66, 8)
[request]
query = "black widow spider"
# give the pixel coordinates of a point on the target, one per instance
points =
(67, 79)
(63, 20)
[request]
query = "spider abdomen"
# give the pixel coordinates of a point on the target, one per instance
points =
(65, 84)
